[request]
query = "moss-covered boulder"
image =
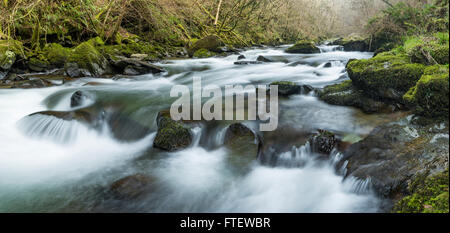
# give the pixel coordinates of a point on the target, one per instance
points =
(172, 135)
(10, 50)
(345, 94)
(429, 194)
(86, 60)
(203, 53)
(387, 76)
(211, 43)
(323, 142)
(429, 53)
(56, 54)
(355, 43)
(304, 46)
(38, 65)
(431, 93)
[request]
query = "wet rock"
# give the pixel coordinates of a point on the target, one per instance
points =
(171, 135)
(135, 67)
(139, 56)
(124, 128)
(304, 47)
(203, 53)
(237, 132)
(241, 57)
(77, 99)
(132, 187)
(78, 115)
(38, 65)
(248, 63)
(263, 59)
(323, 142)
(395, 154)
(286, 88)
(31, 83)
(328, 65)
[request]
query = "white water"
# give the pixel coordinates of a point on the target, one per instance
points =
(48, 164)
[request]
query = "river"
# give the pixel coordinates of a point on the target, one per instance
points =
(53, 165)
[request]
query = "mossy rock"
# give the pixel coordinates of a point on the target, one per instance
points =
(171, 135)
(10, 50)
(86, 58)
(345, 94)
(431, 93)
(304, 46)
(355, 43)
(386, 76)
(56, 54)
(38, 65)
(203, 53)
(286, 88)
(438, 52)
(211, 43)
(428, 195)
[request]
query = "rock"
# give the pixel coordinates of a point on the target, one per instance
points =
(7, 59)
(345, 94)
(328, 65)
(395, 154)
(237, 132)
(385, 77)
(139, 56)
(286, 88)
(132, 187)
(241, 57)
(124, 128)
(171, 135)
(10, 50)
(38, 65)
(86, 60)
(56, 54)
(244, 146)
(81, 115)
(263, 59)
(32, 83)
(323, 142)
(203, 53)
(77, 99)
(210, 43)
(431, 93)
(304, 47)
(135, 67)
(247, 63)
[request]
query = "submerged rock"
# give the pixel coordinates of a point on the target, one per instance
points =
(244, 146)
(171, 135)
(305, 47)
(237, 132)
(263, 59)
(241, 57)
(286, 88)
(248, 63)
(128, 66)
(132, 187)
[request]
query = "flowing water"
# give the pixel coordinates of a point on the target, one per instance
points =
(50, 164)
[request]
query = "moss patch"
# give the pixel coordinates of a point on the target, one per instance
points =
(431, 93)
(387, 76)
(303, 46)
(86, 56)
(56, 54)
(428, 195)
(203, 53)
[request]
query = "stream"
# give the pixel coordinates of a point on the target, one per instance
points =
(49, 164)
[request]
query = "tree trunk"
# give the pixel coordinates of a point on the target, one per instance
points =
(217, 13)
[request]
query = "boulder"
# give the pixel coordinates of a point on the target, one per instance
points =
(386, 77)
(172, 135)
(241, 57)
(211, 43)
(286, 88)
(38, 65)
(304, 47)
(244, 146)
(86, 60)
(430, 95)
(77, 99)
(56, 54)
(203, 53)
(132, 187)
(345, 94)
(238, 132)
(395, 154)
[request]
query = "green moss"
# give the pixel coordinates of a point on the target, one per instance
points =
(10, 50)
(172, 135)
(210, 43)
(303, 46)
(286, 83)
(386, 76)
(86, 56)
(203, 53)
(56, 54)
(37, 64)
(437, 46)
(428, 195)
(431, 93)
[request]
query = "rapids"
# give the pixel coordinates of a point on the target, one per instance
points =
(49, 164)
